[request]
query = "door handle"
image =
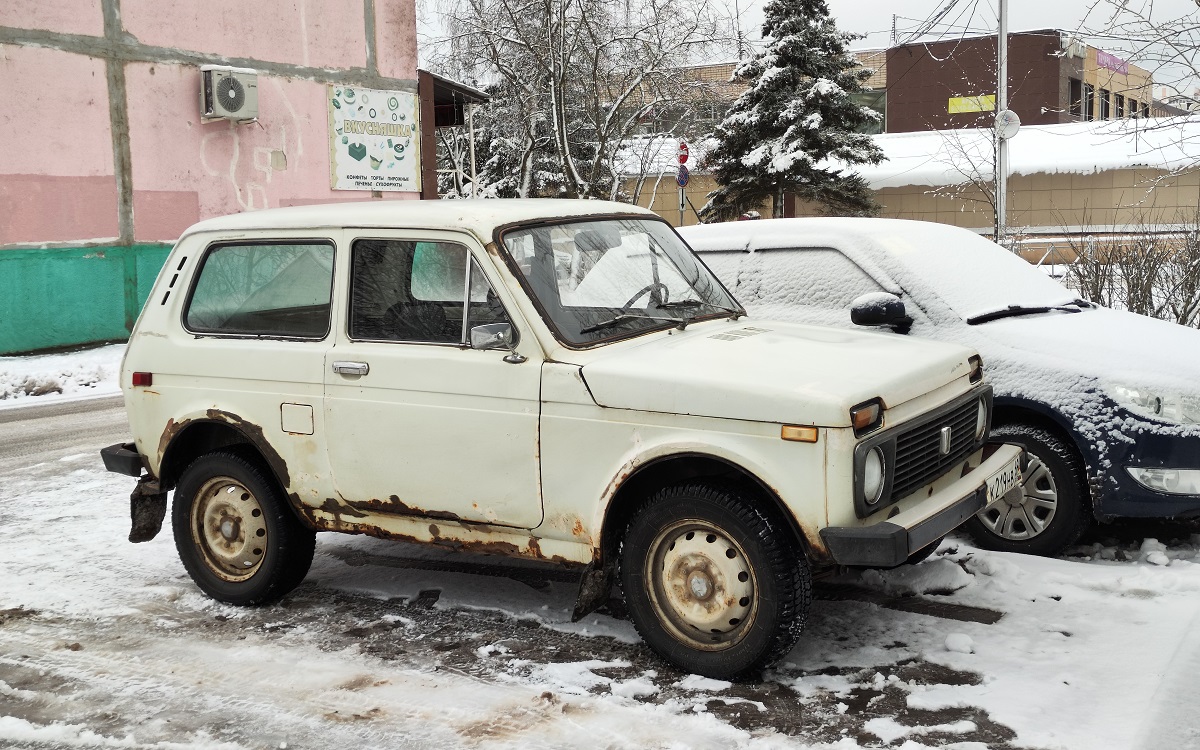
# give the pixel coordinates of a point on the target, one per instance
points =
(351, 368)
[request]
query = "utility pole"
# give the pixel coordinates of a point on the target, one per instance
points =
(1001, 108)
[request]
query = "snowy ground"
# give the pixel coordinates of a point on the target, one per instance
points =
(108, 644)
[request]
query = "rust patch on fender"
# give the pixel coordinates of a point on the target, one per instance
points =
(255, 434)
(164, 441)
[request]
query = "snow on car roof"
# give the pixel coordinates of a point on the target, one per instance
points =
(970, 274)
(478, 216)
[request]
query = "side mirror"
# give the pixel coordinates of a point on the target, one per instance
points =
(880, 309)
(492, 336)
(496, 336)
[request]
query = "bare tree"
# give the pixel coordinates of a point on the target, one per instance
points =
(576, 79)
(1165, 42)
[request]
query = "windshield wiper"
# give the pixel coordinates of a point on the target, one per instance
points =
(696, 303)
(624, 317)
(1014, 310)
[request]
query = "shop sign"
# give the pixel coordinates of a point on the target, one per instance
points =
(960, 104)
(374, 139)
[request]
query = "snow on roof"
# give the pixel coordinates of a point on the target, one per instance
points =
(946, 157)
(479, 216)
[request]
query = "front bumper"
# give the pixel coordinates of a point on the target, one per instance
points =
(1117, 493)
(891, 542)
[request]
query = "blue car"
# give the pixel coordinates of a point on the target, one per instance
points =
(1105, 402)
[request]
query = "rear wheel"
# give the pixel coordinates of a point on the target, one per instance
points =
(235, 534)
(713, 584)
(1053, 510)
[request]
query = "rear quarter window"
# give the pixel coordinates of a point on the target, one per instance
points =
(263, 289)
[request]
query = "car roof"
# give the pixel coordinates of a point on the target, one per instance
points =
(479, 216)
(811, 232)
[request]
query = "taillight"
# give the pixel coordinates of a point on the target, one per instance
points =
(143, 378)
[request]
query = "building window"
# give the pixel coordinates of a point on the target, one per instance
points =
(1145, 109)
(876, 101)
(1105, 111)
(1075, 105)
(1133, 108)
(1089, 101)
(1120, 102)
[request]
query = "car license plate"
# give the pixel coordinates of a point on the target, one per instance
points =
(1004, 480)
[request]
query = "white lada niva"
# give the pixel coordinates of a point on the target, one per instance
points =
(561, 381)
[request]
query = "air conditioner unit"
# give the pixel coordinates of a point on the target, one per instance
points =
(228, 93)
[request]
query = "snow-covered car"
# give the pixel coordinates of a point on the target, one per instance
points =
(1105, 402)
(553, 380)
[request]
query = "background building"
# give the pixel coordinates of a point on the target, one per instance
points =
(106, 158)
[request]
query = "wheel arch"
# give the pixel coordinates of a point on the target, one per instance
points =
(673, 468)
(1008, 410)
(187, 441)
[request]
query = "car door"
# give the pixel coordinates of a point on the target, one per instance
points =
(419, 423)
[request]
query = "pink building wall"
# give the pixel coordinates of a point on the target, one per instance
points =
(78, 166)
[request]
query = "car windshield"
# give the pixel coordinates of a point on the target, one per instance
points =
(610, 278)
(974, 276)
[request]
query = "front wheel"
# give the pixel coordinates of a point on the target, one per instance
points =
(714, 585)
(1053, 510)
(235, 534)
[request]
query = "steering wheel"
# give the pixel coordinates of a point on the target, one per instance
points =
(644, 290)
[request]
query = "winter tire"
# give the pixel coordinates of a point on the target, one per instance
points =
(235, 534)
(1053, 511)
(713, 584)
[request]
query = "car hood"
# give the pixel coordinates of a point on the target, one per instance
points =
(1108, 347)
(772, 372)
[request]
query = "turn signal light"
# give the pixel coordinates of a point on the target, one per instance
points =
(143, 378)
(866, 416)
(798, 433)
(976, 368)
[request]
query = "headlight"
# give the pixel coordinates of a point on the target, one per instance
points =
(981, 420)
(1170, 481)
(1164, 406)
(873, 473)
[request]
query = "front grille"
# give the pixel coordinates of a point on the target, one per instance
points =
(919, 460)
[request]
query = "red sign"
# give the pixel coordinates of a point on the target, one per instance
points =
(683, 157)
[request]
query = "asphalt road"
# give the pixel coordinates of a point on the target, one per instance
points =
(54, 430)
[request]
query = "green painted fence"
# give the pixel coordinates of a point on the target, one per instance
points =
(71, 296)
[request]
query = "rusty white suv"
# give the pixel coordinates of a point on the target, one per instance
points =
(553, 380)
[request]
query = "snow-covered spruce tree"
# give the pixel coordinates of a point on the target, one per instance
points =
(794, 129)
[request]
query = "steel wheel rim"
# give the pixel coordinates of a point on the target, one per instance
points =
(701, 585)
(1033, 514)
(229, 528)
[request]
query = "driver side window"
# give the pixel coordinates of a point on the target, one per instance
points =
(401, 290)
(815, 285)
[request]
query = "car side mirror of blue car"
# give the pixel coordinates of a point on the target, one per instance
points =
(880, 309)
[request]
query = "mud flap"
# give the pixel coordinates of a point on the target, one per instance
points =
(594, 588)
(147, 508)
